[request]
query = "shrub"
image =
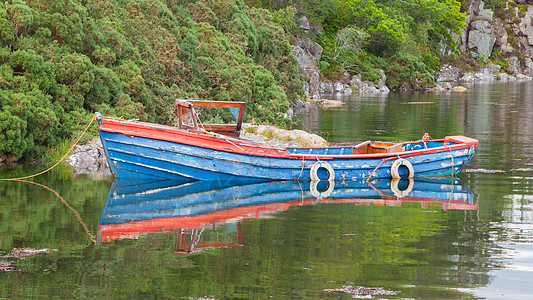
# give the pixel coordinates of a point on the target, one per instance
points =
(61, 61)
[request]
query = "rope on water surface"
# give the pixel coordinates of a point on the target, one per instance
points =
(21, 179)
(91, 236)
(57, 163)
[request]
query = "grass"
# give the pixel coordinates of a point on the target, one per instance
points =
(53, 154)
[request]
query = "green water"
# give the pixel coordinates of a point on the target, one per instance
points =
(298, 251)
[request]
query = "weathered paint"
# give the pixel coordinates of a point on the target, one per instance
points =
(151, 151)
(133, 208)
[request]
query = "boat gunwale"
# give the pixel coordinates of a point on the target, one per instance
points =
(257, 149)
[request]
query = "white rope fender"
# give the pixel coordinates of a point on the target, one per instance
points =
(313, 188)
(396, 190)
(396, 166)
(313, 172)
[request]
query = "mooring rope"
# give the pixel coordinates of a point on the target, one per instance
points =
(302, 170)
(78, 216)
(453, 163)
(57, 163)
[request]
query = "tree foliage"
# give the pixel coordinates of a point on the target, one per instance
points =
(417, 29)
(62, 60)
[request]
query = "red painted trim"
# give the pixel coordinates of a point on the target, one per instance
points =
(462, 140)
(173, 134)
(137, 228)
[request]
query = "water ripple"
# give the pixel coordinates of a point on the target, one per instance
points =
(483, 171)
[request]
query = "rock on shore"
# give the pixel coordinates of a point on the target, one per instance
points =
(274, 137)
(89, 159)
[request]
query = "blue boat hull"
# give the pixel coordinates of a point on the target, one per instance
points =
(146, 158)
(137, 201)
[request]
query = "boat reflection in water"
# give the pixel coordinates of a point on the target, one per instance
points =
(136, 208)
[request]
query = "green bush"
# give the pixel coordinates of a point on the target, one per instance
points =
(406, 69)
(498, 4)
(62, 61)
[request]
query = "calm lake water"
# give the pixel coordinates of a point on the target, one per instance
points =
(456, 238)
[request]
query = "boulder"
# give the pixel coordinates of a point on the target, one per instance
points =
(443, 86)
(384, 90)
(89, 159)
(467, 77)
(523, 77)
(503, 77)
(326, 88)
(338, 87)
(367, 87)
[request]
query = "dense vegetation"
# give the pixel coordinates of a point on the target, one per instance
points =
(62, 60)
(404, 38)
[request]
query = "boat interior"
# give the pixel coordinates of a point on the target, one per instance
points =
(188, 119)
(369, 147)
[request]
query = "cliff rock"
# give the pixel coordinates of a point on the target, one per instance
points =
(480, 38)
(308, 54)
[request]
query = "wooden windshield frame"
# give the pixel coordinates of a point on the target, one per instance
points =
(226, 129)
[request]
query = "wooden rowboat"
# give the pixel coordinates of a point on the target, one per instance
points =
(137, 208)
(196, 151)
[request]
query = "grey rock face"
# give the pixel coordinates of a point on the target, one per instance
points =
(304, 23)
(491, 69)
(367, 87)
(514, 66)
(307, 54)
(529, 67)
(448, 74)
(526, 28)
(480, 39)
(89, 159)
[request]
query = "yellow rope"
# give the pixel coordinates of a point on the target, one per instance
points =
(57, 163)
